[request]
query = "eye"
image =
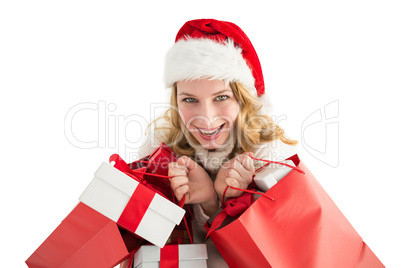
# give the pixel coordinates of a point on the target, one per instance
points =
(222, 97)
(189, 100)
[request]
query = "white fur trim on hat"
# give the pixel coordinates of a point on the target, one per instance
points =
(191, 59)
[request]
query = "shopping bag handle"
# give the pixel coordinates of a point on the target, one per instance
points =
(245, 191)
(254, 192)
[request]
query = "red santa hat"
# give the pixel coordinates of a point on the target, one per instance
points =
(216, 50)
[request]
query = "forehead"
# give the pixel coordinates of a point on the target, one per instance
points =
(202, 87)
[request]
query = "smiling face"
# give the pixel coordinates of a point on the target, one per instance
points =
(208, 109)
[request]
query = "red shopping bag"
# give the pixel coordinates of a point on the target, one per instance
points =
(158, 161)
(294, 224)
(158, 164)
(85, 238)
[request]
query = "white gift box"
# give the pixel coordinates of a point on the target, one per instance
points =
(110, 192)
(190, 256)
(271, 174)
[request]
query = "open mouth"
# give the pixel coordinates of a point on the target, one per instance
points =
(211, 133)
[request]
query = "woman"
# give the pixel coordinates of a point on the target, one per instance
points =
(217, 119)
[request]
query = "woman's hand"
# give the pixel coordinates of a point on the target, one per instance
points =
(237, 172)
(193, 182)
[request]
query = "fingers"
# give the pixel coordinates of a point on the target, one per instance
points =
(244, 160)
(179, 181)
(244, 166)
(239, 173)
(189, 179)
(177, 169)
(187, 162)
(234, 182)
(233, 178)
(251, 154)
(181, 191)
(230, 192)
(180, 186)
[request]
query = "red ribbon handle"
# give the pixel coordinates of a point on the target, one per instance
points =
(268, 162)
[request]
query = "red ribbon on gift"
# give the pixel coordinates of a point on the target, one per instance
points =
(136, 207)
(142, 196)
(169, 257)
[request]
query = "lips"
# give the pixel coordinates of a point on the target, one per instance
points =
(209, 134)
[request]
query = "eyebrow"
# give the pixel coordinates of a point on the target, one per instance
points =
(216, 93)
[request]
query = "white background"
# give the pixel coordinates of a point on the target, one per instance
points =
(58, 54)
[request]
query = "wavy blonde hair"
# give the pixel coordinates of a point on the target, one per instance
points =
(251, 128)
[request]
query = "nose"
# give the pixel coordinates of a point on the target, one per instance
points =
(207, 113)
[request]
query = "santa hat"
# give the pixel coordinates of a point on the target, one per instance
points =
(216, 50)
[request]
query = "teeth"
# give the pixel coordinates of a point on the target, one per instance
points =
(210, 133)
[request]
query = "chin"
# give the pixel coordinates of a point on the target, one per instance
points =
(210, 146)
(213, 144)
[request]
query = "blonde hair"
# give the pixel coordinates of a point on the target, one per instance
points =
(251, 128)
